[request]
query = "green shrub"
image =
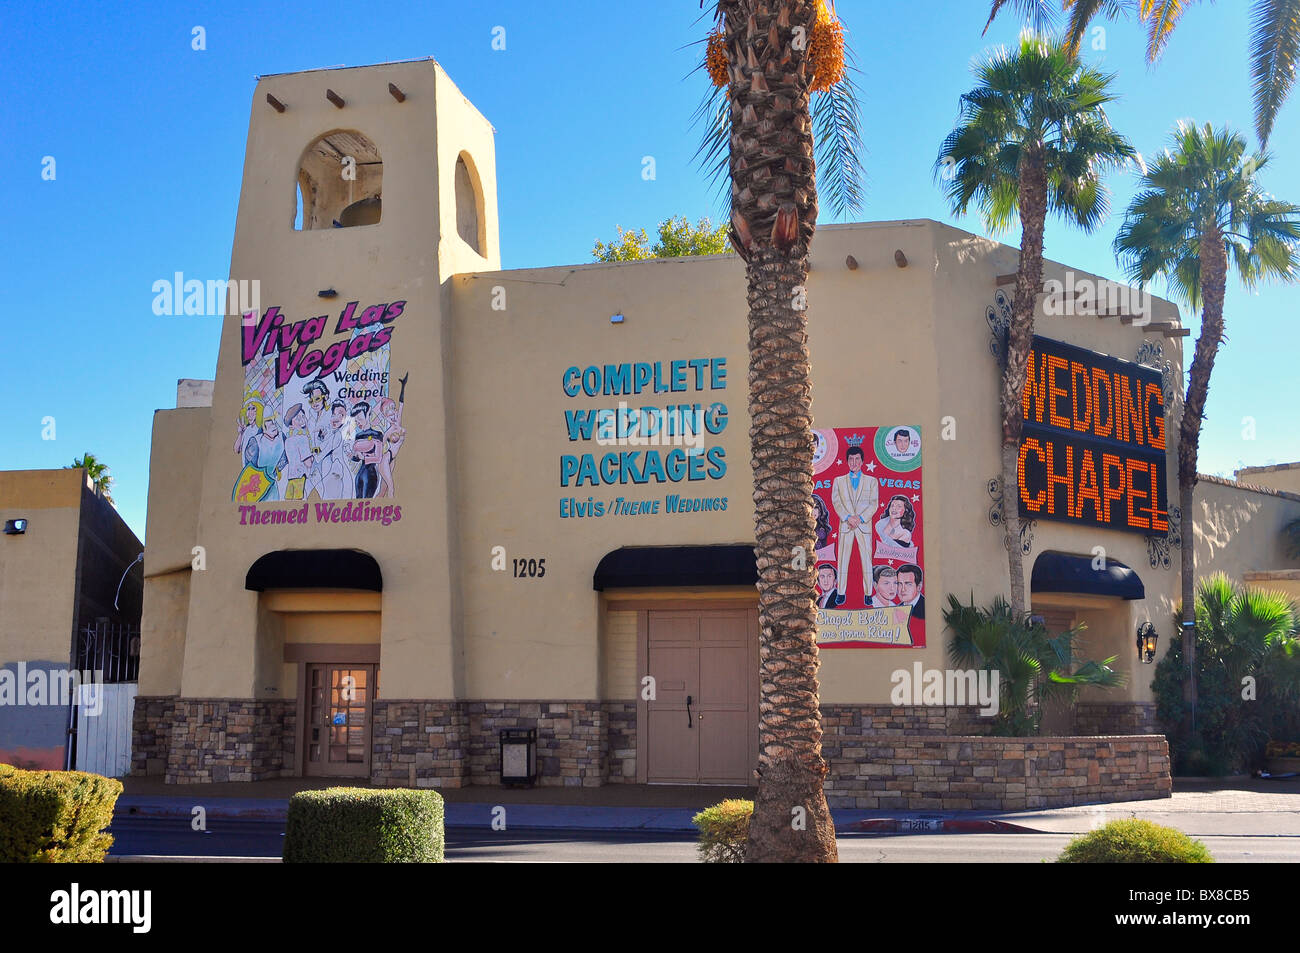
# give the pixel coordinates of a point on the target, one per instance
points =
(55, 816)
(724, 831)
(1135, 842)
(364, 826)
(1240, 632)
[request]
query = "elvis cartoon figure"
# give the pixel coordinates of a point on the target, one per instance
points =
(855, 496)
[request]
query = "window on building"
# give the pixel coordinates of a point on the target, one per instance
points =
(340, 183)
(469, 205)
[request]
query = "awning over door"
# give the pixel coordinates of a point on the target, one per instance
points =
(315, 569)
(664, 566)
(1066, 572)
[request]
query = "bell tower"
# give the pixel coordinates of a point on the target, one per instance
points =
(364, 190)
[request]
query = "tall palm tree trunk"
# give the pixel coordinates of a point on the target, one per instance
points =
(774, 214)
(1214, 280)
(791, 821)
(1020, 337)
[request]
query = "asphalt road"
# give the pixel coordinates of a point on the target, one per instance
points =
(227, 838)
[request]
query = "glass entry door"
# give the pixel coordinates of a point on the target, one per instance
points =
(338, 720)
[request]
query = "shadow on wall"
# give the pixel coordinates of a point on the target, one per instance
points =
(1239, 531)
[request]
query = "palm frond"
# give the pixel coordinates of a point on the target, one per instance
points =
(1038, 13)
(837, 142)
(1274, 51)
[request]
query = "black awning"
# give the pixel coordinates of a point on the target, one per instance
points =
(1066, 572)
(662, 566)
(315, 569)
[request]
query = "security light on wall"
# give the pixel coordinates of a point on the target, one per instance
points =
(15, 527)
(616, 319)
(1147, 637)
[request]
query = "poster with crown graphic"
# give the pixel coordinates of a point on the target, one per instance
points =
(867, 500)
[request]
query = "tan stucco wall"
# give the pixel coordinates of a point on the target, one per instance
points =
(1281, 476)
(38, 569)
(162, 630)
(618, 676)
(1239, 530)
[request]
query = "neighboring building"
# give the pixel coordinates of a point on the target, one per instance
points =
(340, 585)
(59, 578)
(1240, 526)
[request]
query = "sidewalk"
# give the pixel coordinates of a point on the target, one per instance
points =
(1241, 807)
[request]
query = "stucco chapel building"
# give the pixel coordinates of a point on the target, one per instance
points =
(432, 499)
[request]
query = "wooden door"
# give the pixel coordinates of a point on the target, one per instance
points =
(337, 717)
(702, 725)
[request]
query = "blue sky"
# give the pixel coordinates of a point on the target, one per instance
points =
(148, 139)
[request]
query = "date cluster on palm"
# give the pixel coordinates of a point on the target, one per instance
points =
(825, 51)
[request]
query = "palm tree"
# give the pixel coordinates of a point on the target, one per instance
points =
(96, 471)
(1239, 632)
(767, 58)
(1035, 668)
(1032, 136)
(1200, 211)
(1274, 42)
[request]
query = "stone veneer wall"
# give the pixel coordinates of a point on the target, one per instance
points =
(620, 732)
(419, 744)
(215, 739)
(973, 772)
(151, 734)
(571, 741)
(1116, 718)
(850, 721)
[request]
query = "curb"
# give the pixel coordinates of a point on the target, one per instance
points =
(936, 825)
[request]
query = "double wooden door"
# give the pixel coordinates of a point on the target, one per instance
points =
(701, 727)
(338, 719)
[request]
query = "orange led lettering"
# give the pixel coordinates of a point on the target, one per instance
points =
(1088, 488)
(1131, 465)
(1156, 439)
(1109, 492)
(1157, 523)
(1036, 503)
(1053, 479)
(1101, 381)
(1054, 393)
(1077, 373)
(1035, 389)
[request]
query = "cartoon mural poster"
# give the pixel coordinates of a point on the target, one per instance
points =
(870, 557)
(333, 432)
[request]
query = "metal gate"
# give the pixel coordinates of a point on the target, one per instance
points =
(99, 723)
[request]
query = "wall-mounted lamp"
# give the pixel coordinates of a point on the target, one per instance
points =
(15, 527)
(1147, 637)
(327, 293)
(616, 319)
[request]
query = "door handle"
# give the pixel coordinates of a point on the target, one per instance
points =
(688, 711)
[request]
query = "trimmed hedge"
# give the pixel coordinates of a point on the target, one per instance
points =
(55, 816)
(364, 826)
(1135, 842)
(724, 831)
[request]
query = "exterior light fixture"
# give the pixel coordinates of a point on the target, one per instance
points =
(616, 319)
(15, 527)
(518, 756)
(327, 293)
(1146, 642)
